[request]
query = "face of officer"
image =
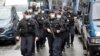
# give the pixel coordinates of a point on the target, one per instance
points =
(36, 12)
(42, 11)
(75, 17)
(28, 16)
(58, 16)
(30, 10)
(52, 15)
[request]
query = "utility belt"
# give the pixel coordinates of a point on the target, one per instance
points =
(60, 35)
(69, 25)
(61, 32)
(27, 34)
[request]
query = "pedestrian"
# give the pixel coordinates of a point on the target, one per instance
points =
(66, 17)
(41, 17)
(37, 17)
(59, 33)
(49, 33)
(71, 26)
(27, 30)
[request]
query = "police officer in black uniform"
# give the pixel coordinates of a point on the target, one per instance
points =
(30, 10)
(27, 30)
(66, 38)
(40, 19)
(42, 16)
(59, 32)
(71, 25)
(37, 17)
(55, 29)
(49, 33)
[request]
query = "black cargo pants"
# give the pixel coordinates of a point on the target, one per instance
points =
(27, 45)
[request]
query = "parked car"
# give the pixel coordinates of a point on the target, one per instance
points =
(8, 24)
(91, 31)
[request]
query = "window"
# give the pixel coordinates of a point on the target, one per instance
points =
(96, 11)
(5, 13)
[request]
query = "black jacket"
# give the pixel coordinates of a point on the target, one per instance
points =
(55, 24)
(22, 27)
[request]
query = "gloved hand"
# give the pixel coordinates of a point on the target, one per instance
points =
(17, 37)
(42, 18)
(58, 31)
(48, 29)
(37, 38)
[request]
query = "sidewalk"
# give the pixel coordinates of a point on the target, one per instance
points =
(76, 50)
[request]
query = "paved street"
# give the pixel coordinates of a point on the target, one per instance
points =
(14, 50)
